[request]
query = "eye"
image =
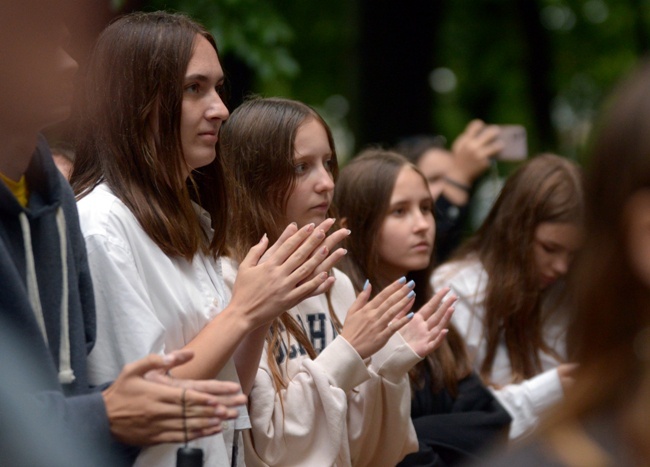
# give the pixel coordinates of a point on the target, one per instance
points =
(192, 88)
(549, 249)
(398, 212)
(300, 168)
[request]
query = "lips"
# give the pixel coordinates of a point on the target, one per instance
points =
(322, 207)
(546, 281)
(209, 136)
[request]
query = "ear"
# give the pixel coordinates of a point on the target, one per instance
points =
(637, 221)
(344, 222)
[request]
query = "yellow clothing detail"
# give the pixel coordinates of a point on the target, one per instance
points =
(19, 188)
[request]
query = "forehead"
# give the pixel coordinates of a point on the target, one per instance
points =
(435, 161)
(409, 184)
(565, 234)
(311, 139)
(204, 60)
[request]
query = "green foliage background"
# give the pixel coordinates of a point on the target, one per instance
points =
(309, 51)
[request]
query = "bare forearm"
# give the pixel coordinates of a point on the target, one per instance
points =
(248, 355)
(214, 345)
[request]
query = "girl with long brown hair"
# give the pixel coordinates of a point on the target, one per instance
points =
(509, 282)
(153, 211)
(384, 197)
(332, 387)
(603, 420)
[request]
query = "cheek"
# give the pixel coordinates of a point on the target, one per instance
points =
(639, 256)
(542, 259)
(385, 242)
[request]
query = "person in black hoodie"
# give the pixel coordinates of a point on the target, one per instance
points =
(46, 301)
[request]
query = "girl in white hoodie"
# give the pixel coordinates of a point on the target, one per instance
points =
(332, 386)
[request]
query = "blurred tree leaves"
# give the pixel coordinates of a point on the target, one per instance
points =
(252, 30)
(543, 63)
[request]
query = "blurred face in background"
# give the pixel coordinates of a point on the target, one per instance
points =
(434, 164)
(36, 78)
(554, 246)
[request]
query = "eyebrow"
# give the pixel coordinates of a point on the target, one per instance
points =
(203, 78)
(299, 156)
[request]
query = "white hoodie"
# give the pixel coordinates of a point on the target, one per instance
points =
(336, 409)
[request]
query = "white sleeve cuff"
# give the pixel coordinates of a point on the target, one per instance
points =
(343, 365)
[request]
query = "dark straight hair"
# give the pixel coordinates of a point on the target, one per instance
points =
(129, 136)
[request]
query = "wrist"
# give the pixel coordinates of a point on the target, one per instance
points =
(457, 184)
(236, 319)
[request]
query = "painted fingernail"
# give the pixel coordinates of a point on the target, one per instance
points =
(366, 284)
(402, 280)
(411, 294)
(411, 284)
(311, 227)
(263, 237)
(294, 224)
(324, 251)
(410, 315)
(349, 231)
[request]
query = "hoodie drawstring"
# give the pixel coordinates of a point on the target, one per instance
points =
(66, 374)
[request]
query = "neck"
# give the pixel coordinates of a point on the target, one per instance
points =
(16, 153)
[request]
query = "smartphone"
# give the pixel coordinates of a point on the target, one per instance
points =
(515, 143)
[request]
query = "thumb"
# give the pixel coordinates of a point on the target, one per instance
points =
(361, 300)
(255, 253)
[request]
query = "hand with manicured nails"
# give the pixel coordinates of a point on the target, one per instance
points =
(330, 243)
(264, 289)
(144, 404)
(369, 324)
(428, 327)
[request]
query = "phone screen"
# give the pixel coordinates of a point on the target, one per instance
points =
(515, 145)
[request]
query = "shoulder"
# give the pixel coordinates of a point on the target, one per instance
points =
(100, 211)
(466, 276)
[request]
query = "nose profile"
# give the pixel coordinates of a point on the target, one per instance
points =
(217, 108)
(325, 180)
(561, 265)
(422, 221)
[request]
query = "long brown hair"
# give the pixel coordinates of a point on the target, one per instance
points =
(129, 136)
(257, 147)
(610, 331)
(547, 188)
(362, 197)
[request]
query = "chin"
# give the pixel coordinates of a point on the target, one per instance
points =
(316, 220)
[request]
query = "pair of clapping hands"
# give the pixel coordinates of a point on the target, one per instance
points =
(297, 266)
